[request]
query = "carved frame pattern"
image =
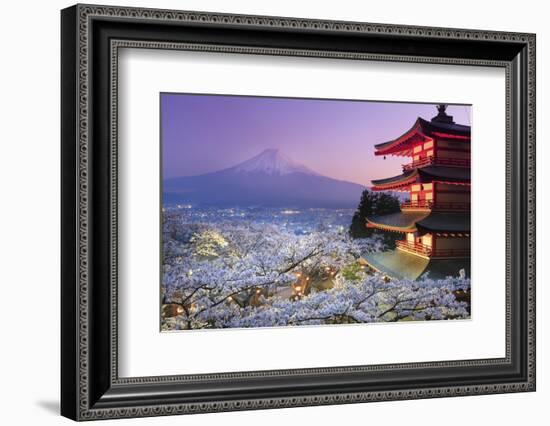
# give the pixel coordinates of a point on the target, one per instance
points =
(85, 409)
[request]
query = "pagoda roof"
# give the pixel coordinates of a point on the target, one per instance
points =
(449, 174)
(424, 174)
(421, 221)
(444, 222)
(452, 128)
(404, 221)
(402, 265)
(423, 130)
(404, 178)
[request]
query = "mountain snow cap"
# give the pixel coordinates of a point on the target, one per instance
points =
(273, 162)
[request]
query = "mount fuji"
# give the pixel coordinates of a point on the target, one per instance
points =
(270, 179)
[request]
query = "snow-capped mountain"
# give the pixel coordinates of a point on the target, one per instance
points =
(268, 179)
(272, 162)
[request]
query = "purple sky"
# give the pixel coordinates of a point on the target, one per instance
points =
(206, 133)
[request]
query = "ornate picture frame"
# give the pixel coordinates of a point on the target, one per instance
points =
(91, 37)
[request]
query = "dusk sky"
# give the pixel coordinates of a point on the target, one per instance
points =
(206, 133)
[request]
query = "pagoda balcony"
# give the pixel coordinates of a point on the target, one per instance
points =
(430, 205)
(416, 248)
(430, 161)
(417, 205)
(427, 251)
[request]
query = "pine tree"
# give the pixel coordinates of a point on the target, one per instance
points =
(371, 204)
(386, 204)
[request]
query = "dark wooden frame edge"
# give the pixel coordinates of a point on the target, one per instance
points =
(90, 388)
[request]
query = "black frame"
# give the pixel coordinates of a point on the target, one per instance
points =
(90, 386)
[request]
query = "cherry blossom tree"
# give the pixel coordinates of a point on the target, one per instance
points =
(235, 275)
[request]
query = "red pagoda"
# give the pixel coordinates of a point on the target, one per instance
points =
(435, 221)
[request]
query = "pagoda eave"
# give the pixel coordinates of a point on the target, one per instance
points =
(444, 222)
(458, 175)
(399, 188)
(424, 131)
(403, 144)
(401, 181)
(427, 174)
(390, 228)
(402, 265)
(423, 221)
(397, 222)
(397, 153)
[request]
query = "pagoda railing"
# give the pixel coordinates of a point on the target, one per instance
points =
(439, 161)
(419, 204)
(417, 248)
(451, 205)
(424, 250)
(430, 205)
(454, 252)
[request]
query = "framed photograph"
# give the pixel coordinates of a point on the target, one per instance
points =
(263, 212)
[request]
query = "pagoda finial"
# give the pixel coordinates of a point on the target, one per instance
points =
(442, 116)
